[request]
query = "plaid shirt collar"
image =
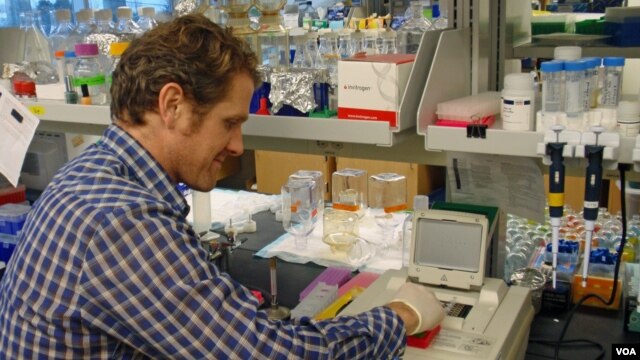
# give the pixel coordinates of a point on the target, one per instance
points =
(142, 167)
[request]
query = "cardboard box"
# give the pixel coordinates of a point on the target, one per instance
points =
(273, 169)
(371, 87)
(421, 179)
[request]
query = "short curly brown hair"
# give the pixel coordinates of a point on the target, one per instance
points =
(191, 51)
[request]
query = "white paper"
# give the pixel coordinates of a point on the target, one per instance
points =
(17, 127)
(514, 184)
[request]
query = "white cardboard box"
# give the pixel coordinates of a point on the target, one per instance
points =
(371, 87)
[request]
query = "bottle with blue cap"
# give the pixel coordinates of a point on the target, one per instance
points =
(552, 73)
(612, 85)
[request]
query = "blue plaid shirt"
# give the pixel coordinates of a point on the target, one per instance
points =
(108, 267)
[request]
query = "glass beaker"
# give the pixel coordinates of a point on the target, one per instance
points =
(349, 190)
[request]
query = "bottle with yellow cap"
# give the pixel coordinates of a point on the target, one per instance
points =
(115, 51)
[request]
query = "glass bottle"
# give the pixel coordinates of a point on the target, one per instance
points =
(64, 37)
(345, 46)
(370, 46)
(45, 17)
(115, 51)
(410, 33)
(440, 18)
(103, 34)
(147, 19)
(88, 75)
(85, 23)
(299, 59)
(389, 42)
(37, 54)
(126, 28)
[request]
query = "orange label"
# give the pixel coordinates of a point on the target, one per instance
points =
(390, 209)
(346, 207)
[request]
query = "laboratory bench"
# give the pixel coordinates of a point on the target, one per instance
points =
(600, 325)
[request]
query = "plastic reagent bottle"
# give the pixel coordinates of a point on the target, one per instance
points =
(116, 51)
(612, 86)
(89, 72)
(574, 73)
(64, 37)
(410, 33)
(86, 23)
(518, 102)
(551, 73)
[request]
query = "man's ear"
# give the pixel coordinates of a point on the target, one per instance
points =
(169, 99)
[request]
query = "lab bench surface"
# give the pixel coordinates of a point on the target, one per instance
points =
(602, 326)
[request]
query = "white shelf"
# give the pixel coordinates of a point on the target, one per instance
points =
(546, 51)
(58, 115)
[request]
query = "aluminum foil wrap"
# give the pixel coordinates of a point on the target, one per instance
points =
(184, 7)
(40, 72)
(103, 41)
(9, 69)
(293, 87)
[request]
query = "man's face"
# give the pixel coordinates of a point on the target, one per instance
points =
(199, 151)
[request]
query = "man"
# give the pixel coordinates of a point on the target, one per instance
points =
(107, 265)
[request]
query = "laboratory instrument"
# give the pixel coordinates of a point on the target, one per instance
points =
(339, 229)
(593, 186)
(556, 194)
(275, 311)
(487, 319)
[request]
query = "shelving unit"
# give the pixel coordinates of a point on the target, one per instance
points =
(546, 51)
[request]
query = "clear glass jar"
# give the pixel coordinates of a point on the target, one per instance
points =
(410, 33)
(551, 73)
(88, 75)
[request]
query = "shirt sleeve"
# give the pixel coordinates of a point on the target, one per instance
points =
(147, 283)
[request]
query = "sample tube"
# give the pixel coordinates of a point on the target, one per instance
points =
(551, 73)
(612, 86)
(574, 73)
(591, 82)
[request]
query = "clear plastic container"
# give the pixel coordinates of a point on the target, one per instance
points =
(318, 178)
(85, 23)
(552, 75)
(349, 190)
(612, 85)
(103, 34)
(389, 42)
(410, 33)
(88, 75)
(574, 87)
(591, 82)
(116, 51)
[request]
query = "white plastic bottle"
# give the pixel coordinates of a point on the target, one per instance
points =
(518, 102)
(628, 118)
(88, 75)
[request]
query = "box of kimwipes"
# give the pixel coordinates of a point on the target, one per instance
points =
(371, 87)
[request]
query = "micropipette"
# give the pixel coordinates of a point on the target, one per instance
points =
(593, 186)
(556, 194)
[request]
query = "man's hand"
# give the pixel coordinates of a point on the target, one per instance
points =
(418, 308)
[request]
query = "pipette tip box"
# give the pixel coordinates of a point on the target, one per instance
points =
(330, 276)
